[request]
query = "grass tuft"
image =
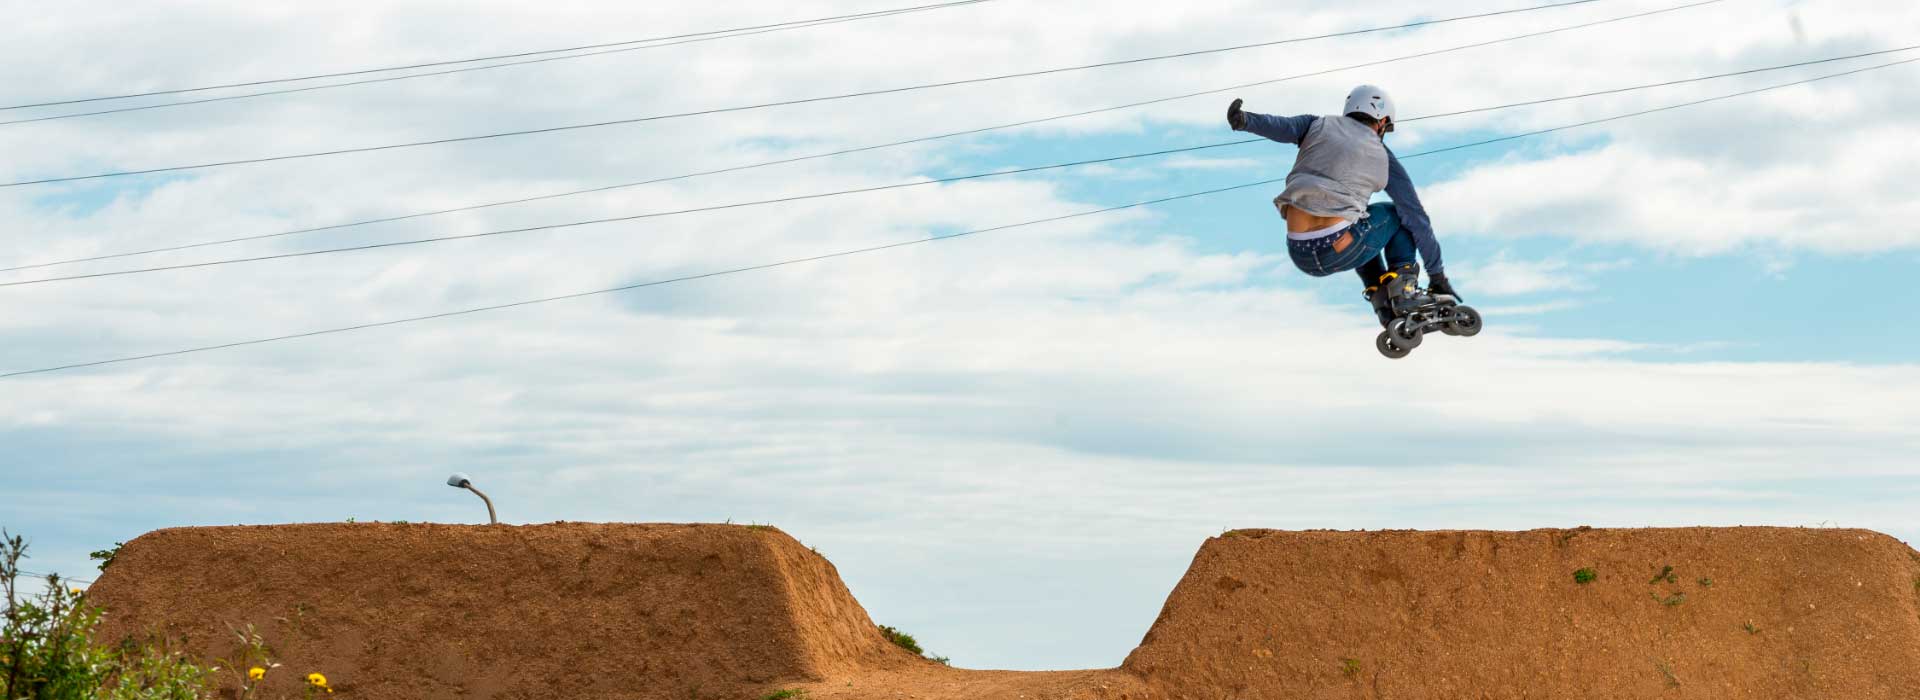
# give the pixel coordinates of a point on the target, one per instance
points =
(1666, 669)
(787, 694)
(1666, 574)
(1351, 667)
(1585, 576)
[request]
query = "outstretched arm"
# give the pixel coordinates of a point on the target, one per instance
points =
(1282, 129)
(1413, 216)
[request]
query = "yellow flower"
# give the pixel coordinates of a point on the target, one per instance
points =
(316, 680)
(256, 673)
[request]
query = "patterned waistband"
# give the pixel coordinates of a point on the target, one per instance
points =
(1322, 233)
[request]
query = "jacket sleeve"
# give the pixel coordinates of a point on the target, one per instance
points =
(1282, 129)
(1413, 216)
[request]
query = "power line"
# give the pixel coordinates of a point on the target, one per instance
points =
(1109, 159)
(736, 205)
(902, 244)
(50, 576)
(848, 151)
(523, 54)
(370, 81)
(632, 217)
(782, 103)
(1670, 83)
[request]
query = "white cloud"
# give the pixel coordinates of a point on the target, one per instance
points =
(1530, 309)
(1100, 391)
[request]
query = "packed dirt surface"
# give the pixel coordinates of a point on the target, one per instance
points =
(693, 612)
(1670, 613)
(411, 612)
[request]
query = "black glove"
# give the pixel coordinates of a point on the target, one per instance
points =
(1236, 118)
(1438, 284)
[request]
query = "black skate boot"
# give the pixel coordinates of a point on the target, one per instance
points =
(1412, 312)
(1403, 292)
(1381, 310)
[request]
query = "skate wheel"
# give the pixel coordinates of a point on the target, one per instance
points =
(1390, 347)
(1404, 334)
(1465, 322)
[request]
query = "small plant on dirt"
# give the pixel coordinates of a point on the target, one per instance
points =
(1706, 583)
(251, 660)
(1750, 628)
(105, 556)
(1350, 667)
(787, 694)
(1666, 669)
(1585, 576)
(907, 642)
(759, 527)
(1666, 574)
(901, 639)
(1670, 601)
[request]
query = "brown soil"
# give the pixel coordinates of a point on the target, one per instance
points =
(720, 611)
(1269, 614)
(408, 612)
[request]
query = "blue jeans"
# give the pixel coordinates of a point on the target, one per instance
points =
(1360, 247)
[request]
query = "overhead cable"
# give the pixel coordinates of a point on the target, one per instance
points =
(53, 576)
(630, 217)
(480, 59)
(369, 81)
(900, 244)
(915, 183)
(783, 103)
(840, 152)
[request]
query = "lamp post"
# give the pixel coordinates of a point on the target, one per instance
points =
(460, 481)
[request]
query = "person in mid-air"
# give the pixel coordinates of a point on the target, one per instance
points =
(1331, 227)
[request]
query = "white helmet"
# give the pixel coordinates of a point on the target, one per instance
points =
(1371, 101)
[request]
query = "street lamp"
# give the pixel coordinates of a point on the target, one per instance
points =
(460, 481)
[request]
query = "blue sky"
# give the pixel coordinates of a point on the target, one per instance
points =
(1745, 305)
(1010, 444)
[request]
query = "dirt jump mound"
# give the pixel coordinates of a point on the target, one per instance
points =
(1603, 614)
(700, 612)
(394, 611)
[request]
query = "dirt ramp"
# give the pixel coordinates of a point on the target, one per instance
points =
(395, 611)
(1742, 613)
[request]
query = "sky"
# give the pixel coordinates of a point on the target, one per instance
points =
(1010, 443)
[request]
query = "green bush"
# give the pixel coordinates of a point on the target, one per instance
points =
(47, 650)
(1585, 576)
(907, 642)
(105, 556)
(901, 639)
